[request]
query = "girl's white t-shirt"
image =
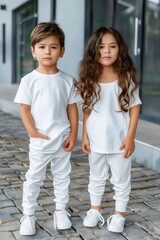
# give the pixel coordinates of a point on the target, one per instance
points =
(48, 96)
(107, 125)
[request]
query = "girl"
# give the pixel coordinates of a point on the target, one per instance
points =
(111, 106)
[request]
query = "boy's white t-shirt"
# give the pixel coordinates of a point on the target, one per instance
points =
(48, 96)
(107, 125)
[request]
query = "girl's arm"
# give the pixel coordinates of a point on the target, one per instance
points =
(72, 112)
(85, 140)
(29, 122)
(128, 143)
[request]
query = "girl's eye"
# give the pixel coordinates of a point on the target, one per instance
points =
(113, 46)
(100, 47)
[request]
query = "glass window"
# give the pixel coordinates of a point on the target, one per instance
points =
(151, 62)
(99, 13)
(128, 16)
(25, 19)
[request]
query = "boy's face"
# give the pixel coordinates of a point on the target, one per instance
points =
(47, 52)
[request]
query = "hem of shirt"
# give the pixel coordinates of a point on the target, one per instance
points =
(21, 102)
(106, 151)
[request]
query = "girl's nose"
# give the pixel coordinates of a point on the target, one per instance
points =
(107, 50)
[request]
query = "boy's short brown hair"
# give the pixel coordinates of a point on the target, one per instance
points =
(46, 29)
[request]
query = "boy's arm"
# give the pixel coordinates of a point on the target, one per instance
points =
(29, 122)
(128, 142)
(72, 112)
(85, 140)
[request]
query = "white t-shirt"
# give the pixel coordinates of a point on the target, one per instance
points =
(107, 125)
(48, 96)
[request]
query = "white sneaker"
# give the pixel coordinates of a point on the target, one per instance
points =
(92, 218)
(27, 225)
(115, 223)
(61, 220)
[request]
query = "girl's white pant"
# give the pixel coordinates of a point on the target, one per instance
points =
(120, 169)
(60, 168)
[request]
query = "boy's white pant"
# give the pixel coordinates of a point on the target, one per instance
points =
(120, 168)
(60, 168)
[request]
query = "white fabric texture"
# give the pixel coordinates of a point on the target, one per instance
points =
(48, 96)
(100, 167)
(107, 125)
(60, 168)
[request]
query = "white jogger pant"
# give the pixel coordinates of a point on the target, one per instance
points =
(60, 168)
(120, 168)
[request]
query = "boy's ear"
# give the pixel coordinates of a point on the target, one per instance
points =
(32, 51)
(62, 52)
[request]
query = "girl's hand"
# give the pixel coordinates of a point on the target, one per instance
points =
(38, 135)
(129, 146)
(69, 143)
(86, 146)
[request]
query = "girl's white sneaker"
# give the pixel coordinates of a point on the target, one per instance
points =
(115, 223)
(27, 225)
(92, 218)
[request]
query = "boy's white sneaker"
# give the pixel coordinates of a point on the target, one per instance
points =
(27, 225)
(92, 218)
(61, 220)
(115, 223)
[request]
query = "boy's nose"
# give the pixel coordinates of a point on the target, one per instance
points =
(47, 51)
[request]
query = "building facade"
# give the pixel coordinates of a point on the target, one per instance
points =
(137, 20)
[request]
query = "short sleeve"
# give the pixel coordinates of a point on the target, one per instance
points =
(22, 95)
(74, 96)
(134, 98)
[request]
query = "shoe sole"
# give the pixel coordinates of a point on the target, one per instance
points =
(89, 226)
(26, 234)
(63, 228)
(112, 229)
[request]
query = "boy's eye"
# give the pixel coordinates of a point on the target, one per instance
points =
(41, 46)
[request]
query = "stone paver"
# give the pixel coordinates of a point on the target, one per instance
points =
(143, 212)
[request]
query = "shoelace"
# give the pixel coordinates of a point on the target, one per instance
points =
(100, 217)
(55, 219)
(109, 219)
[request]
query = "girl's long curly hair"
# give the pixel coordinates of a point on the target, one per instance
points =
(90, 70)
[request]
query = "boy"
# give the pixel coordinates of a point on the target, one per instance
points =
(50, 116)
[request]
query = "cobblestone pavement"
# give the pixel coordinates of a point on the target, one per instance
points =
(143, 213)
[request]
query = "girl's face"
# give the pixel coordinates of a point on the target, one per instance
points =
(108, 50)
(47, 52)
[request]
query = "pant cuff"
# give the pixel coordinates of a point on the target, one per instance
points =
(60, 206)
(121, 206)
(28, 212)
(95, 200)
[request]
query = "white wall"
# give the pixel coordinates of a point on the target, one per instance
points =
(70, 16)
(6, 17)
(44, 10)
